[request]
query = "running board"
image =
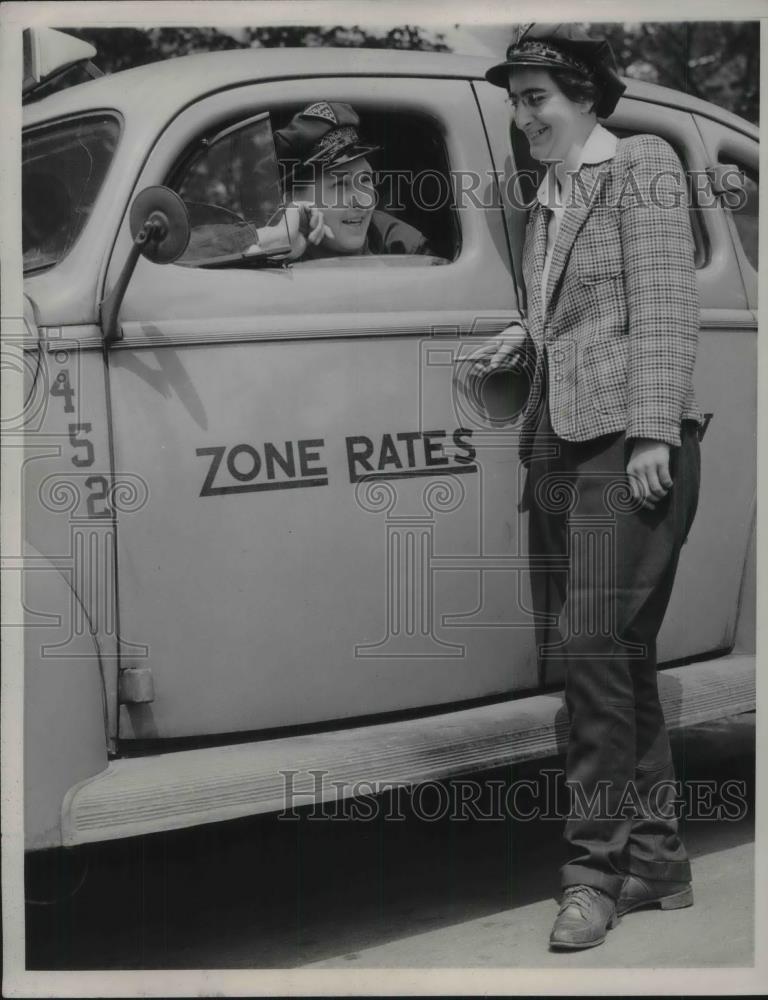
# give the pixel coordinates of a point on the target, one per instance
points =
(170, 791)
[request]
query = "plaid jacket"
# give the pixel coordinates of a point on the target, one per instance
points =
(621, 323)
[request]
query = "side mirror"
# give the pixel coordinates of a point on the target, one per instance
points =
(160, 229)
(159, 224)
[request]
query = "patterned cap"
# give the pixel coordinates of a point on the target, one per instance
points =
(323, 135)
(566, 47)
(534, 53)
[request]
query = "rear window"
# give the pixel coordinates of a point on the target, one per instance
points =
(745, 210)
(63, 169)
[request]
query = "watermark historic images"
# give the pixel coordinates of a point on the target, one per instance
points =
(312, 796)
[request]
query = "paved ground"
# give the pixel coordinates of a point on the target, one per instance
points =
(264, 893)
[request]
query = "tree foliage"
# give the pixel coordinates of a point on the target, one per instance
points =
(718, 61)
(715, 60)
(121, 48)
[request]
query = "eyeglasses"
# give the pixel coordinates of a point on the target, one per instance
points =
(531, 101)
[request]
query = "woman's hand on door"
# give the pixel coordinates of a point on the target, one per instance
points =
(504, 352)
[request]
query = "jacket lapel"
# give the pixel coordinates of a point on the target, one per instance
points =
(586, 192)
(537, 241)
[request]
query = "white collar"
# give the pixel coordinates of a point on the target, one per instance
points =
(599, 147)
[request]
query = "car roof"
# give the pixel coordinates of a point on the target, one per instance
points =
(157, 91)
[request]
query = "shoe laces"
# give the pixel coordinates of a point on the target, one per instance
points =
(580, 896)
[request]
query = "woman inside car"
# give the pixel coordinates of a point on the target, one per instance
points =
(329, 190)
(610, 438)
(329, 199)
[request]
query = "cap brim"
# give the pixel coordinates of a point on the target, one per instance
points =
(498, 75)
(343, 157)
(347, 155)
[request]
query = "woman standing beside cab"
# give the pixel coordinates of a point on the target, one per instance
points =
(610, 435)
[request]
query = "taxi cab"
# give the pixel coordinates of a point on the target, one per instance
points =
(273, 551)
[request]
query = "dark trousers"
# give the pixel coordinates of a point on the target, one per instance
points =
(609, 566)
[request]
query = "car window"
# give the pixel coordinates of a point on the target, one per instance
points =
(232, 189)
(230, 184)
(745, 211)
(531, 173)
(63, 169)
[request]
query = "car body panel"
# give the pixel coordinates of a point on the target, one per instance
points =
(72, 499)
(65, 698)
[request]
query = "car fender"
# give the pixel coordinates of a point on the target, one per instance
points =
(65, 732)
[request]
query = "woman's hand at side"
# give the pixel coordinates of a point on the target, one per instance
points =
(648, 471)
(506, 351)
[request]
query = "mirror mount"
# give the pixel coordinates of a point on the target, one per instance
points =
(160, 229)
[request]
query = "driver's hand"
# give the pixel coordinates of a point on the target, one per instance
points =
(504, 352)
(305, 224)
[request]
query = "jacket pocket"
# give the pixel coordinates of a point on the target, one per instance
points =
(593, 267)
(592, 276)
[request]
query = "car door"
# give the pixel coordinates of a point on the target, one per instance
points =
(727, 146)
(703, 608)
(332, 527)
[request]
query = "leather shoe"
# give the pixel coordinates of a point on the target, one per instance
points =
(585, 917)
(637, 892)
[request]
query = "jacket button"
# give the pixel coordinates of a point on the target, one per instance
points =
(558, 377)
